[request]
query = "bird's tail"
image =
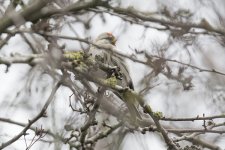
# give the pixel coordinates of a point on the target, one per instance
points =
(133, 111)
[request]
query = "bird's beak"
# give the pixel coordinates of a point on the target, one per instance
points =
(114, 41)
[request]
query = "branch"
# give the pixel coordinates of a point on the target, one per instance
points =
(195, 130)
(37, 10)
(160, 128)
(193, 118)
(104, 134)
(116, 52)
(147, 16)
(41, 114)
(130, 20)
(48, 132)
(32, 59)
(7, 21)
(84, 74)
(73, 8)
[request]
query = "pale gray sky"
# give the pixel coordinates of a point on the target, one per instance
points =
(168, 98)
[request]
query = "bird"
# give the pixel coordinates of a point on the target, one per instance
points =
(107, 57)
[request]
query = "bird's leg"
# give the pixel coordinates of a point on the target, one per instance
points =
(115, 71)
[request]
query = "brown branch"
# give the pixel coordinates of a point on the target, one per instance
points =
(100, 82)
(118, 88)
(192, 118)
(147, 16)
(41, 114)
(160, 128)
(91, 120)
(104, 134)
(118, 53)
(37, 10)
(186, 137)
(147, 123)
(191, 66)
(130, 20)
(48, 132)
(36, 6)
(22, 59)
(73, 8)
(195, 131)
(5, 41)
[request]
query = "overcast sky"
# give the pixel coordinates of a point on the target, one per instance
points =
(168, 97)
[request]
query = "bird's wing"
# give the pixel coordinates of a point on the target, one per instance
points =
(118, 61)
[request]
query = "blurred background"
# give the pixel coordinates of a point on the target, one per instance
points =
(175, 55)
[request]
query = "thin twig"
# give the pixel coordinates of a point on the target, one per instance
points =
(193, 118)
(41, 114)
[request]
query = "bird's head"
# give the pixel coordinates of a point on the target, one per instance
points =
(106, 37)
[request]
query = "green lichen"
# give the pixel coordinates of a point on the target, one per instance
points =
(148, 109)
(78, 59)
(112, 81)
(129, 96)
(77, 56)
(158, 114)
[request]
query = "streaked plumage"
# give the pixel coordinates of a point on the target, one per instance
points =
(107, 57)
